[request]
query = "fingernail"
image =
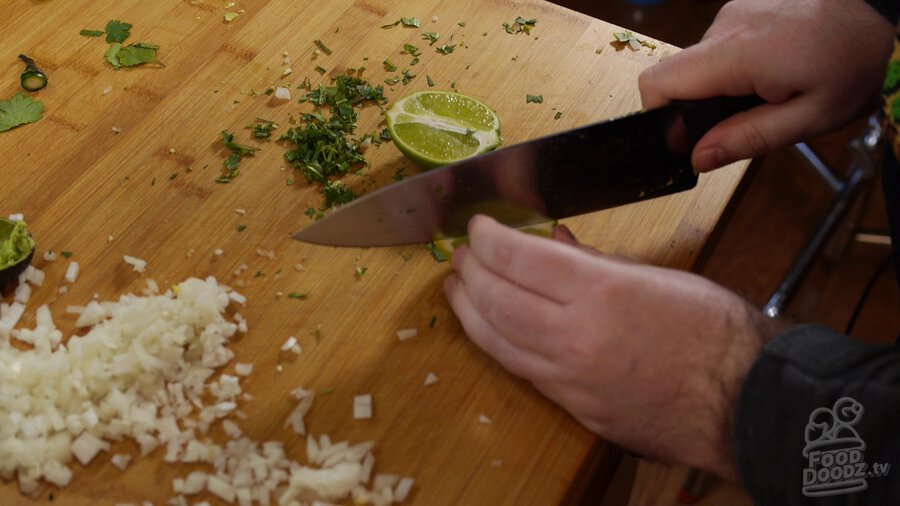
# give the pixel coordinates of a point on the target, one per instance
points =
(709, 159)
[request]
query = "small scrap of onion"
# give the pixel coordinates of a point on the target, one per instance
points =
(136, 263)
(72, 272)
(483, 419)
(404, 334)
(282, 93)
(362, 407)
(431, 379)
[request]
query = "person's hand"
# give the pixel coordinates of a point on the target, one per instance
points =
(645, 357)
(819, 64)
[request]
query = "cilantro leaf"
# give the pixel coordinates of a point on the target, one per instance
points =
(91, 33)
(413, 22)
(534, 99)
(131, 55)
(446, 48)
(137, 54)
(117, 31)
(19, 110)
(112, 55)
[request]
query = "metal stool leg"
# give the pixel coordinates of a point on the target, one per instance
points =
(862, 169)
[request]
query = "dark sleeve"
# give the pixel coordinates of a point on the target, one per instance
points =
(818, 422)
(890, 9)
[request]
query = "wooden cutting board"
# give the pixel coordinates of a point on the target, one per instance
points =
(149, 191)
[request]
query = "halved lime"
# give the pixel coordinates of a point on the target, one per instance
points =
(434, 128)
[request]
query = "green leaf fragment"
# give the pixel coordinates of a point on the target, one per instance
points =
(117, 31)
(321, 45)
(91, 33)
(19, 110)
(534, 99)
(230, 16)
(446, 48)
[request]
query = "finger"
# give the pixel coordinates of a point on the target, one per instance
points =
(756, 132)
(563, 234)
(538, 265)
(523, 317)
(519, 361)
(701, 71)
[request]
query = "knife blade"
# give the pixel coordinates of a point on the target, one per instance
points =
(636, 157)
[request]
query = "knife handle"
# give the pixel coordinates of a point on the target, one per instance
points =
(701, 115)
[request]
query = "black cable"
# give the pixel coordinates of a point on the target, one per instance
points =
(865, 294)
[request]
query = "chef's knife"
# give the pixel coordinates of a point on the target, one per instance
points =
(611, 163)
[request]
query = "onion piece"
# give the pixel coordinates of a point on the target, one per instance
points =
(362, 407)
(404, 334)
(136, 263)
(431, 379)
(72, 272)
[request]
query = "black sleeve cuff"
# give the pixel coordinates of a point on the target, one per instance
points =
(813, 373)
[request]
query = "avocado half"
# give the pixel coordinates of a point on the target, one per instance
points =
(16, 250)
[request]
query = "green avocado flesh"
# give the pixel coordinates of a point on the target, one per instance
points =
(15, 243)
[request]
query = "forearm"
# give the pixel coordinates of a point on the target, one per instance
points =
(781, 453)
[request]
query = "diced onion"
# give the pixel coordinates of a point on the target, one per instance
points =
(362, 407)
(404, 334)
(431, 379)
(282, 93)
(138, 264)
(72, 272)
(290, 343)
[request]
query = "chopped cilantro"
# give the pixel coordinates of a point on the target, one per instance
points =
(117, 31)
(241, 228)
(173, 176)
(233, 162)
(446, 48)
(321, 70)
(258, 274)
(310, 212)
(230, 16)
(431, 37)
(411, 49)
(429, 80)
(337, 193)
(91, 33)
(19, 110)
(534, 99)
(67, 254)
(321, 45)
(320, 147)
(462, 24)
(298, 295)
(433, 321)
(557, 115)
(398, 174)
(390, 66)
(632, 41)
(413, 22)
(361, 271)
(520, 25)
(392, 80)
(385, 135)
(262, 128)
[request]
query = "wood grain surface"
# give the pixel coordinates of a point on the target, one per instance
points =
(149, 191)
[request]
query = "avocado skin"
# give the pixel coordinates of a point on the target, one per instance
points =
(10, 275)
